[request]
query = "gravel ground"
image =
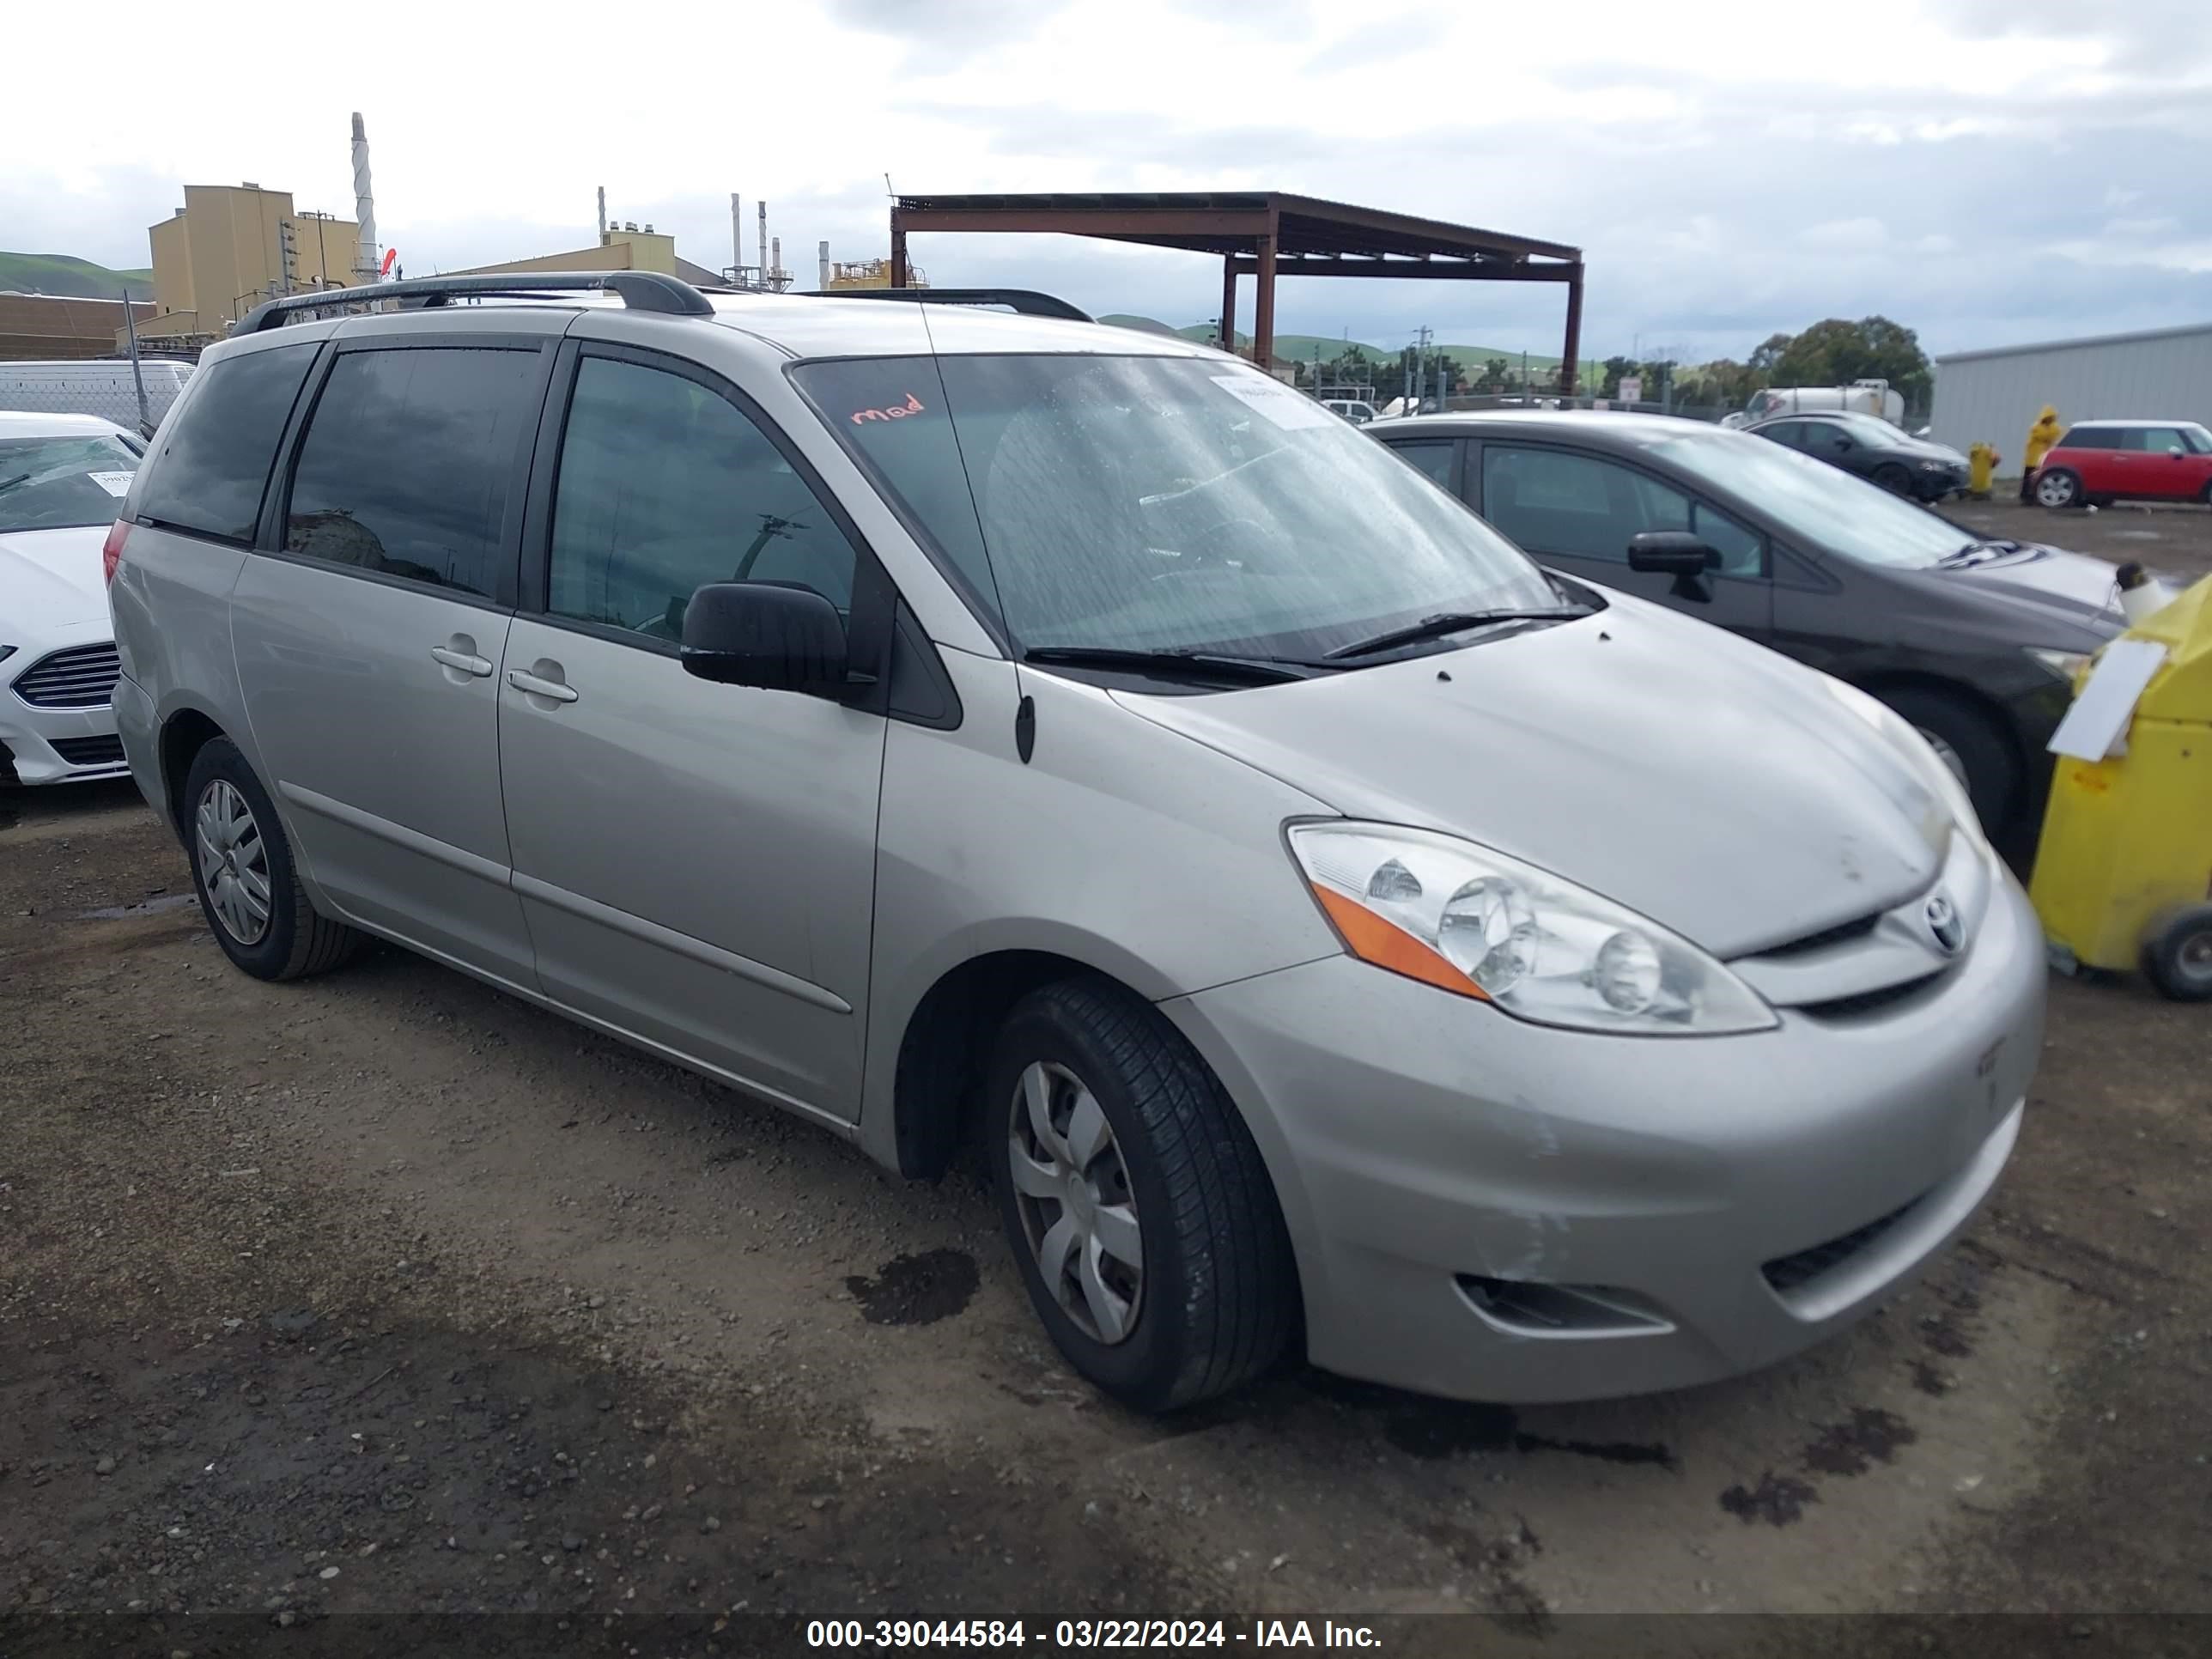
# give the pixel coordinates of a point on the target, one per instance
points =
(383, 1293)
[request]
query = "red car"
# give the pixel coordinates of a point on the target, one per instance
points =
(2103, 461)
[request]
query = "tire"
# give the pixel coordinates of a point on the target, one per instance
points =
(2058, 489)
(266, 926)
(1214, 1299)
(2178, 955)
(1975, 746)
(1894, 478)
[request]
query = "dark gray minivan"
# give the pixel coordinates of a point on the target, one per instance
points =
(1975, 641)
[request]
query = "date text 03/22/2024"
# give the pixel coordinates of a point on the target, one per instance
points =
(1077, 1633)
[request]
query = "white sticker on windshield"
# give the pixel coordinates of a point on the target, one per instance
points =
(1286, 409)
(115, 483)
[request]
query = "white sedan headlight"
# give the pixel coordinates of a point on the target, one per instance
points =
(1468, 920)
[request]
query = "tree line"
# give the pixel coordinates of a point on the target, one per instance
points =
(1832, 352)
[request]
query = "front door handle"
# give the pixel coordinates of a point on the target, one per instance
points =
(537, 686)
(467, 661)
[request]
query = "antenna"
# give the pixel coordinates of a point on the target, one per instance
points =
(888, 191)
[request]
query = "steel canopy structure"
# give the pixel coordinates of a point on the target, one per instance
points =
(1264, 234)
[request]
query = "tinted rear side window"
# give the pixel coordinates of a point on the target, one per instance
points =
(405, 467)
(214, 461)
(2091, 437)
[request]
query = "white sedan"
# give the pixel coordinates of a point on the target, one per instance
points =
(62, 479)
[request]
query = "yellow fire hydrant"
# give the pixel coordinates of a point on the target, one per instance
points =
(1981, 468)
(2124, 873)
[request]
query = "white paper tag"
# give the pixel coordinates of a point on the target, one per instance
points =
(1286, 409)
(115, 483)
(2099, 716)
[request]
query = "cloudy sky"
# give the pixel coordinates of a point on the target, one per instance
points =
(1984, 171)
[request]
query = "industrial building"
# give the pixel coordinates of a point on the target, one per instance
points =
(621, 248)
(52, 327)
(1994, 396)
(228, 248)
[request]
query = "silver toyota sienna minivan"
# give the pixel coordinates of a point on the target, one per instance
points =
(973, 729)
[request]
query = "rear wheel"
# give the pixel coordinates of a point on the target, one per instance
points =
(242, 868)
(1140, 1215)
(2055, 487)
(2178, 955)
(1969, 742)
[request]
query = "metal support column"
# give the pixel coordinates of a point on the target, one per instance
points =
(898, 250)
(1229, 303)
(1570, 357)
(1263, 305)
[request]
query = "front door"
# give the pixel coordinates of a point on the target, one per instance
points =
(2162, 464)
(696, 860)
(1578, 511)
(368, 647)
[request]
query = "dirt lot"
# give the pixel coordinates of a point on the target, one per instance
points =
(383, 1293)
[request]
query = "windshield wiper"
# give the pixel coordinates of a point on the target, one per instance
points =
(1978, 553)
(1451, 622)
(1185, 664)
(7, 484)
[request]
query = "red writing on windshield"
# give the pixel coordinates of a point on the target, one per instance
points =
(913, 405)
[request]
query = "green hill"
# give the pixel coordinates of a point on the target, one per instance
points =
(78, 279)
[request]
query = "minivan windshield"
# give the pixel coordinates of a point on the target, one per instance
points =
(1819, 504)
(1163, 504)
(53, 483)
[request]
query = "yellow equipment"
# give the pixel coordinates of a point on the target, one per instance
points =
(2123, 875)
(1982, 466)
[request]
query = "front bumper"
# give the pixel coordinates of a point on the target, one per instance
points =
(1687, 1208)
(56, 745)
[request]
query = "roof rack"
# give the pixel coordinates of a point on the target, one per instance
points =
(640, 290)
(1027, 301)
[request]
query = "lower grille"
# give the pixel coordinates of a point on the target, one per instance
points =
(1868, 1002)
(89, 751)
(1843, 933)
(83, 677)
(1789, 1272)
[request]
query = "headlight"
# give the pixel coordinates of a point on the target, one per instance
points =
(1465, 919)
(2065, 664)
(1935, 467)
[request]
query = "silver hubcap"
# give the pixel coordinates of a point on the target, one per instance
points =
(2196, 955)
(233, 863)
(1945, 753)
(2054, 492)
(1072, 1190)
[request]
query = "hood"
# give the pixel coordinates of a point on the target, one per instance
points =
(1919, 448)
(2050, 580)
(49, 578)
(1715, 786)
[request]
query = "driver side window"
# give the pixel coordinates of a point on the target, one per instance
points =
(665, 486)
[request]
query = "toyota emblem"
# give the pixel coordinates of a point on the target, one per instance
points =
(1944, 922)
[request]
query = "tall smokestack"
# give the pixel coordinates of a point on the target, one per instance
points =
(775, 265)
(602, 216)
(823, 252)
(364, 205)
(736, 241)
(763, 242)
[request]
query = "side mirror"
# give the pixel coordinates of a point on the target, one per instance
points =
(1679, 553)
(767, 635)
(1671, 553)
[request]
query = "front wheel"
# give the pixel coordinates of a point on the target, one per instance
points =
(2056, 488)
(1969, 742)
(243, 871)
(2178, 955)
(1141, 1214)
(1894, 478)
